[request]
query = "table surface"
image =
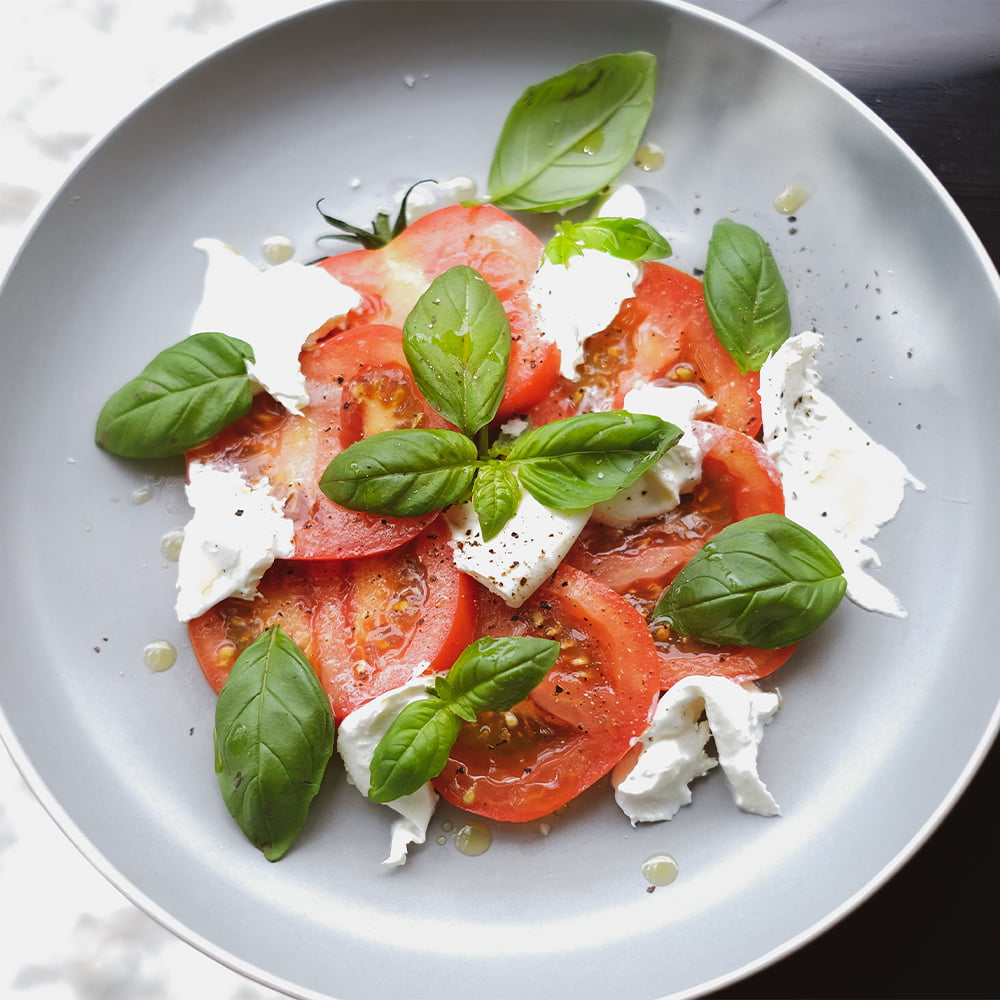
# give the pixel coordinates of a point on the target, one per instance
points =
(931, 70)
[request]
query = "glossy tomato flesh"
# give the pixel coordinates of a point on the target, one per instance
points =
(739, 480)
(663, 336)
(578, 722)
(358, 383)
(504, 252)
(367, 625)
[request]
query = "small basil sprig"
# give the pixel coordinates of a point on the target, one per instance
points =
(567, 137)
(183, 397)
(629, 239)
(745, 295)
(274, 736)
(490, 675)
(764, 582)
(457, 341)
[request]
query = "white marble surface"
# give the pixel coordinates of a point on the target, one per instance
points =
(69, 69)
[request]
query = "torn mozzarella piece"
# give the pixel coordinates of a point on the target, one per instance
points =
(237, 531)
(673, 753)
(575, 300)
(523, 555)
(659, 489)
(276, 311)
(357, 737)
(838, 482)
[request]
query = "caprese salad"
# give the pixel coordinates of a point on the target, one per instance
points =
(496, 516)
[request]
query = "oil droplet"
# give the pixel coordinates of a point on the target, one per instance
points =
(473, 839)
(659, 869)
(792, 198)
(649, 157)
(141, 495)
(442, 839)
(591, 143)
(277, 249)
(160, 655)
(170, 544)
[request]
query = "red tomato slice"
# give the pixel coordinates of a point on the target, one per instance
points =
(367, 625)
(577, 723)
(359, 383)
(507, 254)
(662, 335)
(738, 480)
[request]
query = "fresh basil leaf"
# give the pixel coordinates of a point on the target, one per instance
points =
(457, 342)
(495, 496)
(490, 675)
(274, 735)
(414, 749)
(765, 582)
(629, 239)
(745, 295)
(402, 473)
(578, 461)
(567, 137)
(183, 397)
(494, 674)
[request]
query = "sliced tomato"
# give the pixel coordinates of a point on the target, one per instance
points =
(367, 625)
(358, 383)
(392, 278)
(739, 480)
(662, 335)
(577, 723)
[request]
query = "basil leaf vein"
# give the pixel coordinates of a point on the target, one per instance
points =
(578, 461)
(490, 675)
(745, 295)
(274, 735)
(765, 582)
(566, 138)
(457, 341)
(184, 396)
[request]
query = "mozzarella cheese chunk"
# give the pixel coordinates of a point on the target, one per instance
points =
(237, 531)
(357, 737)
(656, 785)
(659, 489)
(523, 555)
(838, 482)
(276, 311)
(572, 301)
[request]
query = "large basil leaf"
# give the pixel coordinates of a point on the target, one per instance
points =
(495, 497)
(183, 397)
(490, 675)
(765, 582)
(402, 473)
(274, 735)
(745, 295)
(566, 138)
(628, 239)
(457, 342)
(578, 461)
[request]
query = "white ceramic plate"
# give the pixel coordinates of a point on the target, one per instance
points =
(883, 719)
